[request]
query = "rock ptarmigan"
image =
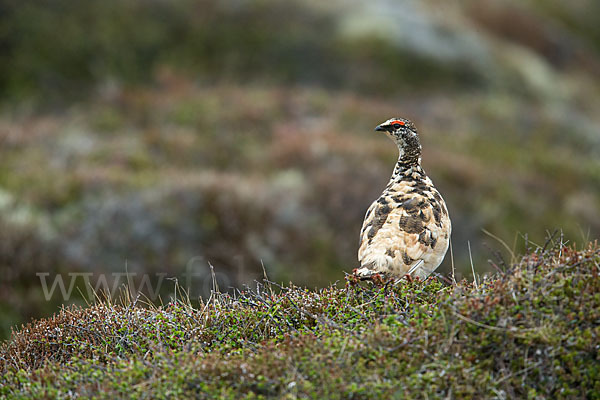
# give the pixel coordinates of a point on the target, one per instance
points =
(406, 231)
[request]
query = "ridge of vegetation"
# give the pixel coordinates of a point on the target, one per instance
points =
(529, 331)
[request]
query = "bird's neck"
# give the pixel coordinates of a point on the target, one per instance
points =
(408, 166)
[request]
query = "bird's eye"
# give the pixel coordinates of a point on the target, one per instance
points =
(397, 124)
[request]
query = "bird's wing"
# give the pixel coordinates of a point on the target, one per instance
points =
(397, 236)
(374, 218)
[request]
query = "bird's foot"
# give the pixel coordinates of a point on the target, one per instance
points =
(365, 274)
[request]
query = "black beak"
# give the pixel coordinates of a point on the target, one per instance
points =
(380, 128)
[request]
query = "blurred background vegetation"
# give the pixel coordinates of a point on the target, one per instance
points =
(240, 133)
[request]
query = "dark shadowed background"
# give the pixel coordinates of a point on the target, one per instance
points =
(153, 137)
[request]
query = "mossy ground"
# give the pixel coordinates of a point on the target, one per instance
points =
(530, 331)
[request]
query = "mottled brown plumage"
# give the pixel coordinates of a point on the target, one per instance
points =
(406, 230)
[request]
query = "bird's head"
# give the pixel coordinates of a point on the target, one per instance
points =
(404, 133)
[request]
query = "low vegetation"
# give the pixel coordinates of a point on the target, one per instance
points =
(531, 330)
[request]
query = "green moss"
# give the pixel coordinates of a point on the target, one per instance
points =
(514, 334)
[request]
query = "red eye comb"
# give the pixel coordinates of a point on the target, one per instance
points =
(397, 122)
